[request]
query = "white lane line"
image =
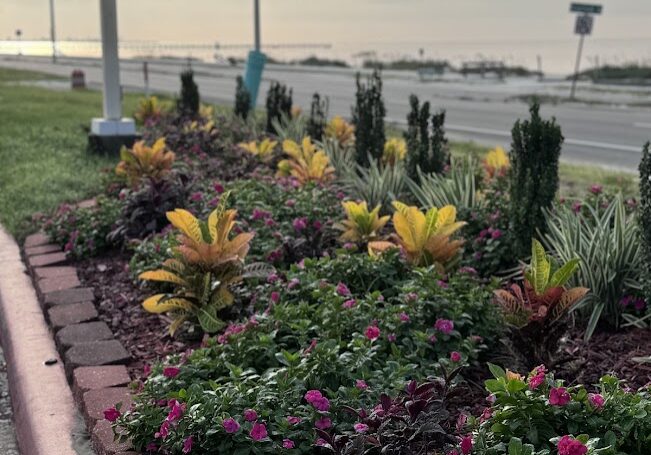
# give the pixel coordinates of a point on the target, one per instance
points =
(642, 125)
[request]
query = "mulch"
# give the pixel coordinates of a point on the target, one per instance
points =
(118, 302)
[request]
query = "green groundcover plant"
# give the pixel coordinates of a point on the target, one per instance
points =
(539, 415)
(313, 349)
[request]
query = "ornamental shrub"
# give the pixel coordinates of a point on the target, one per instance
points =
(427, 151)
(188, 102)
(546, 416)
(535, 151)
(242, 100)
(368, 118)
(279, 105)
(318, 120)
(644, 217)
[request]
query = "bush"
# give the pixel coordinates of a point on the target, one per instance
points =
(535, 151)
(279, 104)
(188, 103)
(644, 217)
(428, 152)
(368, 119)
(540, 415)
(242, 100)
(318, 120)
(317, 351)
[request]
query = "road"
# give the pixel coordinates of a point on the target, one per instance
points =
(606, 135)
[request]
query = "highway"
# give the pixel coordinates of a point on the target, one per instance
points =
(605, 135)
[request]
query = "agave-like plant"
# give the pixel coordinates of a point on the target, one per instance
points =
(141, 161)
(206, 262)
(306, 163)
(341, 131)
(263, 150)
(292, 127)
(377, 184)
(361, 226)
(425, 238)
(537, 309)
(395, 150)
(496, 163)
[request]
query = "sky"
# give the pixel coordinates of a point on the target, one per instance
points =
(368, 21)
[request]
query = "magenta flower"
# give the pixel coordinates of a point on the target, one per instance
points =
(391, 337)
(343, 290)
(537, 377)
(567, 445)
(404, 317)
(176, 411)
(455, 356)
(411, 297)
(294, 282)
(290, 203)
(496, 234)
(312, 395)
(112, 414)
(349, 303)
(299, 224)
(320, 442)
(316, 399)
(433, 339)
(187, 445)
(250, 415)
(219, 188)
(596, 400)
(275, 296)
(171, 372)
(372, 332)
(163, 431)
(444, 326)
(196, 197)
(323, 423)
(361, 384)
(559, 396)
(576, 207)
(258, 432)
(596, 189)
(466, 445)
(292, 420)
(360, 428)
(231, 426)
(288, 444)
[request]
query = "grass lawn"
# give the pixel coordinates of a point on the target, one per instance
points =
(43, 148)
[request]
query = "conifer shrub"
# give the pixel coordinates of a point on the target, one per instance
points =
(368, 118)
(242, 100)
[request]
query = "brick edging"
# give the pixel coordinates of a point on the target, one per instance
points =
(94, 360)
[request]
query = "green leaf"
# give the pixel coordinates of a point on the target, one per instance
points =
(562, 275)
(540, 267)
(515, 446)
(497, 371)
(209, 320)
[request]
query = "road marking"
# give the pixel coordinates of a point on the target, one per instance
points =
(642, 125)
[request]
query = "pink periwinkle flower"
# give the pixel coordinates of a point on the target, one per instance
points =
(231, 426)
(176, 411)
(290, 203)
(391, 337)
(171, 372)
(455, 356)
(320, 442)
(411, 297)
(187, 445)
(466, 445)
(196, 196)
(596, 400)
(163, 431)
(360, 428)
(250, 415)
(219, 188)
(294, 282)
(316, 399)
(258, 431)
(559, 396)
(323, 423)
(349, 303)
(275, 296)
(372, 332)
(567, 445)
(496, 234)
(343, 290)
(293, 420)
(444, 326)
(112, 414)
(442, 284)
(288, 444)
(576, 207)
(404, 317)
(299, 224)
(361, 384)
(596, 189)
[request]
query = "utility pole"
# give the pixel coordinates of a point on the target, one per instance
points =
(256, 59)
(53, 33)
(256, 25)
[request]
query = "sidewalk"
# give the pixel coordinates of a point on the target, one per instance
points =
(7, 435)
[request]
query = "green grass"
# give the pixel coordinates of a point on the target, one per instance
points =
(43, 148)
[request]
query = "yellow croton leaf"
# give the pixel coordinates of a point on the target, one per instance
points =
(185, 222)
(159, 304)
(162, 275)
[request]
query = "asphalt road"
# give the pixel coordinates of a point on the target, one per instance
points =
(605, 135)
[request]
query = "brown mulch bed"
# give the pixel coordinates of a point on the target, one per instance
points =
(118, 302)
(608, 352)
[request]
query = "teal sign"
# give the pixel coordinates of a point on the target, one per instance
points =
(253, 74)
(585, 8)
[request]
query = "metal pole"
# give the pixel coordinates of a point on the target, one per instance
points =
(145, 73)
(576, 66)
(110, 60)
(53, 33)
(256, 25)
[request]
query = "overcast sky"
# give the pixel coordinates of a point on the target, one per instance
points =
(333, 21)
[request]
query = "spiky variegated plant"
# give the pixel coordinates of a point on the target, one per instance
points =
(537, 310)
(341, 131)
(206, 262)
(306, 163)
(141, 161)
(425, 238)
(264, 150)
(361, 226)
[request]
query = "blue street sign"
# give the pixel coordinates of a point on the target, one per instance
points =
(585, 8)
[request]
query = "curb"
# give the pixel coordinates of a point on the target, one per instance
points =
(44, 410)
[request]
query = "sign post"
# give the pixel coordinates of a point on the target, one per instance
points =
(256, 59)
(582, 27)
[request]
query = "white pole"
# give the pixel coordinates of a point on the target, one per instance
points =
(256, 25)
(53, 33)
(110, 60)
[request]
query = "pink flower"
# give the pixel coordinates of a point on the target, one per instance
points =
(171, 372)
(432, 339)
(391, 337)
(299, 224)
(290, 203)
(596, 189)
(343, 290)
(559, 396)
(361, 384)
(466, 445)
(349, 303)
(491, 398)
(293, 283)
(250, 415)
(537, 377)
(292, 420)
(320, 442)
(176, 411)
(258, 432)
(567, 445)
(231, 425)
(455, 356)
(323, 423)
(219, 188)
(316, 399)
(372, 332)
(496, 234)
(596, 400)
(288, 444)
(196, 197)
(340, 195)
(163, 431)
(576, 207)
(360, 428)
(411, 297)
(312, 395)
(187, 445)
(146, 370)
(275, 296)
(112, 414)
(404, 317)
(444, 326)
